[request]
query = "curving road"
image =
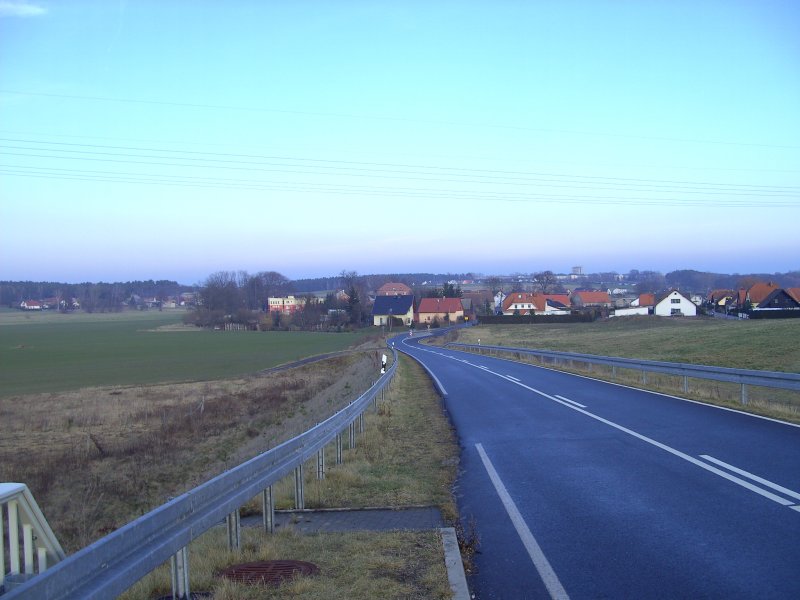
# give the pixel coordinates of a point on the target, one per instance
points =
(583, 489)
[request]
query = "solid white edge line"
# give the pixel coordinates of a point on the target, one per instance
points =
(756, 478)
(549, 577)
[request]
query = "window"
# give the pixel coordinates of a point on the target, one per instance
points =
(675, 301)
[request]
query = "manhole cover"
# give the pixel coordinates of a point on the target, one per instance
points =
(269, 572)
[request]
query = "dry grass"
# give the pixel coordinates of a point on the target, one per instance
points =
(401, 565)
(97, 458)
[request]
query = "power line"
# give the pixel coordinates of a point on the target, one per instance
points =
(348, 167)
(394, 119)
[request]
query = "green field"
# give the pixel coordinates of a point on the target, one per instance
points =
(48, 351)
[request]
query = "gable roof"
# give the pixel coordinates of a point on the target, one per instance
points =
(536, 300)
(647, 299)
(663, 296)
(593, 297)
(392, 305)
(779, 298)
(759, 291)
(794, 293)
(440, 305)
(394, 289)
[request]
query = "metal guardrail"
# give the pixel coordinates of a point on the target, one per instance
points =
(112, 564)
(743, 377)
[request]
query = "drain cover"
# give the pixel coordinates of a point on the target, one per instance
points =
(268, 572)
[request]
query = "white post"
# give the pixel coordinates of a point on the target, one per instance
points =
(13, 537)
(42, 559)
(27, 545)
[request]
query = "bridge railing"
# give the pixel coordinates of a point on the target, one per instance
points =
(27, 544)
(112, 564)
(742, 377)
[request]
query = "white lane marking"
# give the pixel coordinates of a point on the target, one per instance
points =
(673, 451)
(756, 478)
(512, 378)
(540, 561)
(570, 401)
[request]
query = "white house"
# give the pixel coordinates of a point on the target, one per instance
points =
(674, 304)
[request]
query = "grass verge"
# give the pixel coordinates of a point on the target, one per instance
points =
(406, 456)
(765, 345)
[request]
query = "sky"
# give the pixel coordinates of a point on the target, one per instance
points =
(171, 140)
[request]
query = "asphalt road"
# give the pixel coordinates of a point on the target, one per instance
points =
(584, 489)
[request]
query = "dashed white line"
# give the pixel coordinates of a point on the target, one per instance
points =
(756, 478)
(540, 561)
(703, 465)
(570, 401)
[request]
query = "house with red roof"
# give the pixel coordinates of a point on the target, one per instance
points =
(533, 303)
(394, 289)
(586, 298)
(442, 310)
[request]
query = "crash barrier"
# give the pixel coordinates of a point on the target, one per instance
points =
(742, 377)
(112, 564)
(27, 544)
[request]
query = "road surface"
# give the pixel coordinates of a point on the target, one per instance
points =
(583, 489)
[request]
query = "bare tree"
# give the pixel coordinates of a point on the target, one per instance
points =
(546, 281)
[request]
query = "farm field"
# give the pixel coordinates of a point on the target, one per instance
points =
(772, 345)
(48, 352)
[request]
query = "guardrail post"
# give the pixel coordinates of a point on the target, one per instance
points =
(644, 377)
(352, 435)
(234, 530)
(268, 510)
(685, 384)
(744, 393)
(179, 564)
(321, 463)
(613, 371)
(361, 423)
(339, 448)
(299, 502)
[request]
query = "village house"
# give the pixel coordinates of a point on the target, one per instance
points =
(779, 299)
(674, 304)
(441, 310)
(527, 303)
(286, 306)
(387, 310)
(394, 289)
(587, 298)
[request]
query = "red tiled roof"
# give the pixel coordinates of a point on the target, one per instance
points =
(394, 289)
(536, 300)
(440, 305)
(760, 290)
(593, 297)
(794, 293)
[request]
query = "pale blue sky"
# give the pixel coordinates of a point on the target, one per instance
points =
(169, 140)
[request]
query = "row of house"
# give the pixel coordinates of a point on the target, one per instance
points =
(759, 296)
(391, 309)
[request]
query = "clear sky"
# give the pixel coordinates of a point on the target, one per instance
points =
(170, 140)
